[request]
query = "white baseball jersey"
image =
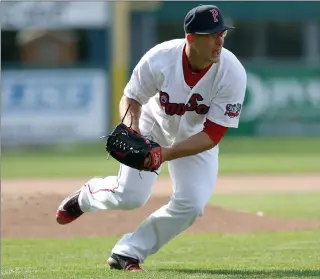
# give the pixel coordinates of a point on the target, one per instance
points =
(158, 83)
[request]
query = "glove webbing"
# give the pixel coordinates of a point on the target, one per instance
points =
(106, 137)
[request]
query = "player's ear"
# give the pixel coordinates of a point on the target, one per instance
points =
(189, 38)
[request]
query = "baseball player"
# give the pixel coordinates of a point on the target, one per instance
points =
(185, 94)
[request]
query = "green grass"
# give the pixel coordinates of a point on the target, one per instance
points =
(237, 156)
(51, 166)
(293, 205)
(265, 255)
(271, 145)
(269, 164)
(262, 255)
(229, 145)
(55, 166)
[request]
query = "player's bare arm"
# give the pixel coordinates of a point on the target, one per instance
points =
(208, 138)
(193, 145)
(133, 109)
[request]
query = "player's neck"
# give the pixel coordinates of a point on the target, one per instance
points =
(196, 64)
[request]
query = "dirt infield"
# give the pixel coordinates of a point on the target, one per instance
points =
(28, 208)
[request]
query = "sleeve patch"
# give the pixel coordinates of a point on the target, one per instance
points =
(233, 110)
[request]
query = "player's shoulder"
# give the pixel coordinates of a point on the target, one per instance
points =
(231, 65)
(167, 47)
(165, 52)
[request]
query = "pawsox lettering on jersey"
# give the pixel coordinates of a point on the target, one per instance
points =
(181, 108)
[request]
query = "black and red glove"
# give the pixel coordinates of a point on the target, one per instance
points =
(134, 150)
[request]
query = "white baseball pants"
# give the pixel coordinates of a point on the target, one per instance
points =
(193, 179)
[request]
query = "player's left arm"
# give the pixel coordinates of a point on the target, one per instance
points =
(224, 113)
(191, 146)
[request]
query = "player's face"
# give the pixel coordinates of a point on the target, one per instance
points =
(209, 46)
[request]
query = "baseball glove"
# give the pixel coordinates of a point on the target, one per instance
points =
(134, 150)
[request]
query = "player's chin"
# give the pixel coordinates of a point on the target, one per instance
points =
(215, 59)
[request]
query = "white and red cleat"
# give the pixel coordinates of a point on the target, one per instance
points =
(69, 210)
(124, 263)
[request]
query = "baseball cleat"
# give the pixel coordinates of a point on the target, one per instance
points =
(69, 210)
(124, 263)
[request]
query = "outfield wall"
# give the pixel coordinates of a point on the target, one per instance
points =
(53, 106)
(73, 105)
(281, 100)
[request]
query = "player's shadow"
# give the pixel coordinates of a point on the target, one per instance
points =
(260, 273)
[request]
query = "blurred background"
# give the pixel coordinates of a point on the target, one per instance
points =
(65, 64)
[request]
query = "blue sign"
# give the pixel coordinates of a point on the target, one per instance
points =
(36, 92)
(50, 106)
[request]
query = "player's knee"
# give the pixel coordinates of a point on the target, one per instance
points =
(190, 207)
(197, 210)
(131, 201)
(134, 203)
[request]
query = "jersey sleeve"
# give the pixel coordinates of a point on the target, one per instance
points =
(226, 106)
(215, 131)
(142, 84)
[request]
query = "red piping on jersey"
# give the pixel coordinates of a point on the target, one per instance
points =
(113, 190)
(214, 131)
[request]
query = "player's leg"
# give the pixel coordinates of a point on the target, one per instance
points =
(130, 189)
(193, 180)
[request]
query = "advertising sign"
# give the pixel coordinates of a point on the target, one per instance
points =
(49, 106)
(281, 101)
(54, 14)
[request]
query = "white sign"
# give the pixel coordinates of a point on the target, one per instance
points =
(54, 14)
(49, 106)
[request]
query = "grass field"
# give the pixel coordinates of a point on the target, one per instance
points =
(264, 255)
(292, 254)
(237, 156)
(298, 205)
